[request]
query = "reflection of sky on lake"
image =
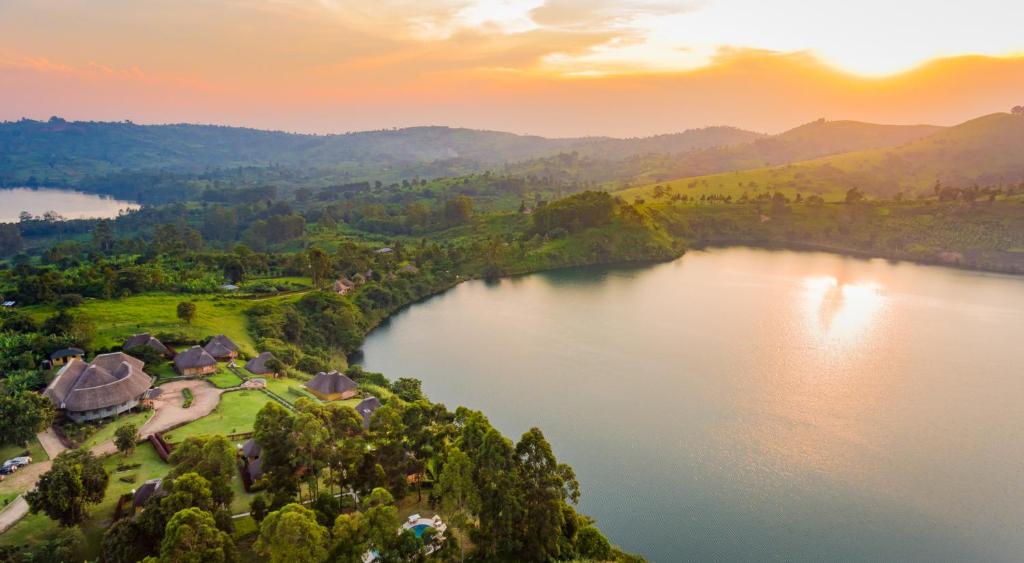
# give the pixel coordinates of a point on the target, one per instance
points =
(749, 405)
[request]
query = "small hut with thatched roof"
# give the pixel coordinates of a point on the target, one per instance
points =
(332, 386)
(221, 348)
(195, 361)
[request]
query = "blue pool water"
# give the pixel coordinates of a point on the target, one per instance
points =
(418, 529)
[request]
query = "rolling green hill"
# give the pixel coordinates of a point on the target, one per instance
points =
(988, 151)
(813, 140)
(63, 152)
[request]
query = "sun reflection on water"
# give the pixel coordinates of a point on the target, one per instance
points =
(841, 311)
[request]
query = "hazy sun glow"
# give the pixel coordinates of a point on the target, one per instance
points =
(539, 66)
(841, 311)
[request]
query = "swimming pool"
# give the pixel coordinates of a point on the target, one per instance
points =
(418, 529)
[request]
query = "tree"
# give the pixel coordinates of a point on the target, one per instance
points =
(75, 480)
(124, 542)
(187, 311)
(350, 538)
(103, 236)
(458, 210)
(192, 536)
(591, 544)
(190, 490)
(544, 485)
(10, 239)
(211, 457)
(500, 504)
(319, 266)
(272, 430)
(292, 535)
(854, 195)
(22, 415)
(381, 520)
(408, 389)
(125, 438)
(1017, 110)
(456, 489)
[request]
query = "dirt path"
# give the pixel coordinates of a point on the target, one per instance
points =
(12, 513)
(50, 442)
(169, 413)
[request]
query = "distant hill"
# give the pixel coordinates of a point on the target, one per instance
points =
(58, 151)
(813, 140)
(988, 151)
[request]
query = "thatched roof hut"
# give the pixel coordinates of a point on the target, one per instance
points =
(258, 365)
(222, 348)
(108, 385)
(332, 386)
(366, 407)
(195, 361)
(146, 339)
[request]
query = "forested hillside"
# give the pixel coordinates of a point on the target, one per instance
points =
(59, 152)
(987, 152)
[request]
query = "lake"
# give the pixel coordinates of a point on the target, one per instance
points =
(752, 405)
(68, 203)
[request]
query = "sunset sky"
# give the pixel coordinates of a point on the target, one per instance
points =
(551, 67)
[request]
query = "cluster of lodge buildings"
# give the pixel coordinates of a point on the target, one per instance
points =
(116, 382)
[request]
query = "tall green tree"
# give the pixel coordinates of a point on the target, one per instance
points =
(457, 490)
(125, 438)
(319, 266)
(273, 432)
(292, 535)
(192, 536)
(186, 312)
(213, 458)
(76, 480)
(544, 487)
(22, 415)
(500, 513)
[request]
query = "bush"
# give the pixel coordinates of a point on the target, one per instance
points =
(69, 300)
(187, 396)
(312, 364)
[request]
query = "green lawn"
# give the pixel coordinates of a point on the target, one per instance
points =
(235, 414)
(163, 372)
(288, 389)
(116, 319)
(225, 378)
(106, 432)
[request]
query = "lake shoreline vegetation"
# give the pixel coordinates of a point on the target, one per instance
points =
(301, 264)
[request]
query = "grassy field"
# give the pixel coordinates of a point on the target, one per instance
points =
(118, 319)
(288, 389)
(106, 432)
(235, 414)
(225, 378)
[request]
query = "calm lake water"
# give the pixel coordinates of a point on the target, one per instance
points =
(752, 405)
(69, 204)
